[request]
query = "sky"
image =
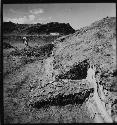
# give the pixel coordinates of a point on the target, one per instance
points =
(78, 15)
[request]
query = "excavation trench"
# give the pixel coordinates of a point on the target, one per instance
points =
(62, 100)
(78, 72)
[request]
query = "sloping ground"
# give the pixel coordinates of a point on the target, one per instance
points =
(15, 58)
(96, 44)
(32, 96)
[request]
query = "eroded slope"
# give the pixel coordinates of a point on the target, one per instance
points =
(96, 44)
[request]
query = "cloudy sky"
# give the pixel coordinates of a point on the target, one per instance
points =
(77, 14)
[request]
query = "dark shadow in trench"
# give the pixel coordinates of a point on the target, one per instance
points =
(78, 72)
(62, 100)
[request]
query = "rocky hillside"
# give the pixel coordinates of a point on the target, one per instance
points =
(52, 88)
(94, 44)
(34, 29)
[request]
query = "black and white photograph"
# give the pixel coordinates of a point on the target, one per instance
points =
(59, 63)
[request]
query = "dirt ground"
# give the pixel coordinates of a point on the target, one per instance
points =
(30, 96)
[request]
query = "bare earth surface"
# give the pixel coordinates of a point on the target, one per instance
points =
(44, 88)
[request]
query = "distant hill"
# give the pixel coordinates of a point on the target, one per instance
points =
(8, 27)
(34, 29)
(53, 27)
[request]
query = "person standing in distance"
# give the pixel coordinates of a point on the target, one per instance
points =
(25, 41)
